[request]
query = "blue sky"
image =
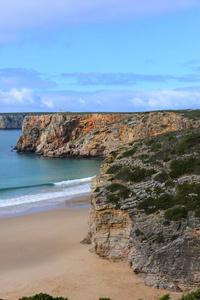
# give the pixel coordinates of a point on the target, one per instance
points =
(99, 55)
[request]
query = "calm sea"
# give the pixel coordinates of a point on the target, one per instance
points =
(28, 182)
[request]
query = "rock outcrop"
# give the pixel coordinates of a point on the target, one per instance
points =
(11, 121)
(93, 135)
(146, 209)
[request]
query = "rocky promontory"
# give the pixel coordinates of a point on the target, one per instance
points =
(11, 121)
(146, 209)
(93, 135)
(146, 199)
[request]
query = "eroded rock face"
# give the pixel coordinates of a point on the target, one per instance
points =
(92, 135)
(146, 209)
(11, 121)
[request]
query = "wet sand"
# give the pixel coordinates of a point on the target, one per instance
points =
(41, 253)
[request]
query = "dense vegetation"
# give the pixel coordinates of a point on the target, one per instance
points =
(163, 159)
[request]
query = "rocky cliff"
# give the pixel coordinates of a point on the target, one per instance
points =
(11, 121)
(93, 135)
(146, 209)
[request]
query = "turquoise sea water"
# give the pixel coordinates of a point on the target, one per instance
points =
(28, 181)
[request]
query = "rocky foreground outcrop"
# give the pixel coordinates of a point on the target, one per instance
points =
(93, 135)
(146, 209)
(11, 121)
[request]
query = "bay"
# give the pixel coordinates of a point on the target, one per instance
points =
(28, 181)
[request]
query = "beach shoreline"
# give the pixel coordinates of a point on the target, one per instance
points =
(76, 201)
(41, 253)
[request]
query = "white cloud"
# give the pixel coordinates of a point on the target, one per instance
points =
(23, 14)
(108, 100)
(14, 96)
(48, 103)
(82, 101)
(123, 100)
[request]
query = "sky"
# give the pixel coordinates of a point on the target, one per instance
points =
(99, 55)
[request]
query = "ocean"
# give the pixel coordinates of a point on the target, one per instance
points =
(32, 183)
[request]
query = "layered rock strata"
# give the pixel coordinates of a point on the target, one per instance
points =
(93, 135)
(146, 209)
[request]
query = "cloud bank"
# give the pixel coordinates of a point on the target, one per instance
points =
(17, 100)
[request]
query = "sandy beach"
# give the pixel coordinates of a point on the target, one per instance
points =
(41, 252)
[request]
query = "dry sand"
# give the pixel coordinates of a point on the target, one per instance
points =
(41, 252)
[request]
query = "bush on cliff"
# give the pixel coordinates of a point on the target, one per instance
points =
(137, 175)
(123, 190)
(113, 169)
(176, 213)
(42, 296)
(181, 167)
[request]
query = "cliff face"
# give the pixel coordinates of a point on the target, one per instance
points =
(146, 209)
(92, 135)
(11, 121)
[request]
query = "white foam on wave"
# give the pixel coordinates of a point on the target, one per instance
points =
(73, 182)
(48, 196)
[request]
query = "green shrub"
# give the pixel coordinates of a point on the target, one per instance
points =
(151, 205)
(166, 159)
(165, 297)
(129, 152)
(166, 223)
(190, 141)
(124, 192)
(159, 239)
(149, 142)
(197, 213)
(182, 167)
(191, 296)
(104, 299)
(115, 187)
(113, 169)
(113, 199)
(174, 237)
(138, 232)
(136, 175)
(97, 190)
(169, 182)
(156, 147)
(176, 213)
(42, 296)
(113, 153)
(170, 138)
(161, 177)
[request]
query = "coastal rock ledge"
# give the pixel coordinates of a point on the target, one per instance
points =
(93, 135)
